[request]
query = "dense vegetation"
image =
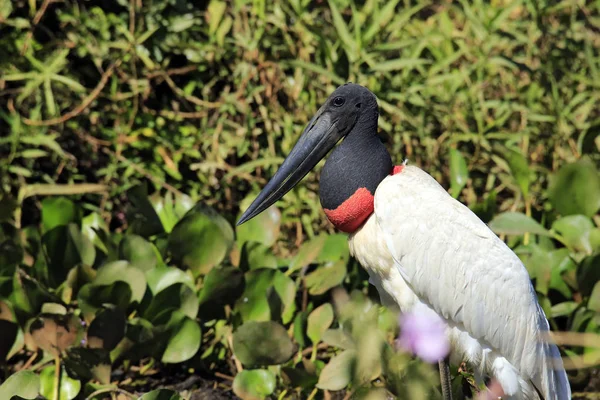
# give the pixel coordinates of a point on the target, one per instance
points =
(133, 133)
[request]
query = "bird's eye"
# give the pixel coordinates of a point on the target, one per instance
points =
(338, 101)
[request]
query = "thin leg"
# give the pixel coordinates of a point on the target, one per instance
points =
(445, 379)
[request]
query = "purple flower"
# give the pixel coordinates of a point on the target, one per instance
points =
(423, 333)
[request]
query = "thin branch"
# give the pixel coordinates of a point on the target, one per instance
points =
(84, 104)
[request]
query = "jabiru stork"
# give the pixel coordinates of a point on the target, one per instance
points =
(423, 249)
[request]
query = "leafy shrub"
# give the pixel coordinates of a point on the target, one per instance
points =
(134, 132)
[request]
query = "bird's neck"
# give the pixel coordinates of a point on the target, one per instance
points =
(351, 175)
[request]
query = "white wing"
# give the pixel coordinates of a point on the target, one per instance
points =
(463, 271)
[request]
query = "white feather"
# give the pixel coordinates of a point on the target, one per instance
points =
(423, 247)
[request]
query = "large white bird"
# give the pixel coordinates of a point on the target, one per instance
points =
(423, 249)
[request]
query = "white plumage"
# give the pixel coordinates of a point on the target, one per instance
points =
(422, 248)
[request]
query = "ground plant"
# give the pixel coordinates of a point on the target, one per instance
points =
(134, 133)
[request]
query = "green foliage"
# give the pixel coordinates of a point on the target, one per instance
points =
(136, 133)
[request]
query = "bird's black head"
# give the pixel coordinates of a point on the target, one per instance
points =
(336, 118)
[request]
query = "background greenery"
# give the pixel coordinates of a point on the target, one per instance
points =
(134, 132)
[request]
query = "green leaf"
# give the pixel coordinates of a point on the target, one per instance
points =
(319, 320)
(161, 394)
(24, 384)
(564, 308)
(338, 338)
(58, 211)
(254, 303)
(399, 64)
(162, 277)
(65, 247)
(588, 274)
(201, 240)
(69, 388)
(262, 343)
(326, 277)
(286, 291)
(515, 223)
(222, 284)
(575, 189)
(170, 208)
(594, 302)
(334, 249)
(138, 251)
(308, 253)
(256, 255)
(264, 228)
(519, 168)
(343, 32)
(254, 384)
(184, 342)
(338, 372)
(458, 172)
(143, 220)
(575, 230)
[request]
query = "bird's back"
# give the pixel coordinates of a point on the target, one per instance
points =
(454, 264)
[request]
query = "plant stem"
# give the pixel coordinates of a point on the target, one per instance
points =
(57, 378)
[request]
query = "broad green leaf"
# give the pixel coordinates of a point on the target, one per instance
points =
(170, 208)
(564, 308)
(308, 253)
(57, 211)
(326, 277)
(338, 338)
(69, 388)
(184, 342)
(319, 320)
(575, 231)
(66, 247)
(286, 291)
(338, 372)
(264, 228)
(175, 297)
(143, 219)
(262, 343)
(257, 255)
(253, 304)
(222, 285)
(162, 277)
(515, 223)
(123, 271)
(254, 384)
(575, 189)
(138, 251)
(25, 384)
(458, 172)
(335, 248)
(161, 394)
(200, 240)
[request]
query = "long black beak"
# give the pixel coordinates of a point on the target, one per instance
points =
(315, 142)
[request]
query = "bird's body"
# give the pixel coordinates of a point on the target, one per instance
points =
(424, 251)
(465, 274)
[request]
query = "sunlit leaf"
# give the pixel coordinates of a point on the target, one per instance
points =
(319, 320)
(254, 384)
(69, 388)
(161, 394)
(25, 384)
(458, 172)
(338, 372)
(138, 251)
(184, 341)
(515, 223)
(58, 211)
